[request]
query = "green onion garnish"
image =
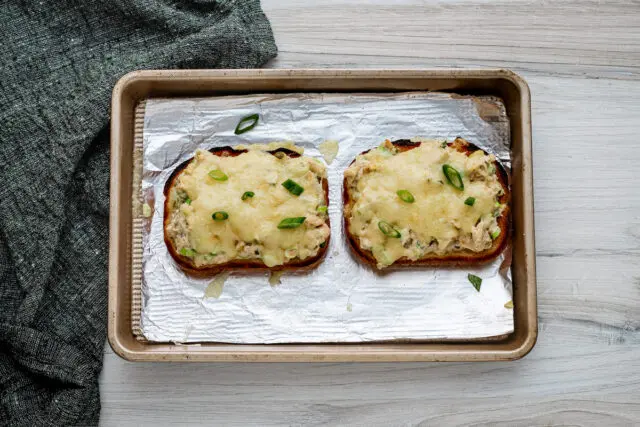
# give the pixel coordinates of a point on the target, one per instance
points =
(218, 175)
(453, 177)
(475, 281)
(388, 230)
(470, 201)
(498, 210)
(444, 144)
(190, 253)
(323, 244)
(294, 222)
(293, 187)
(188, 201)
(247, 123)
(322, 209)
(247, 194)
(494, 234)
(406, 196)
(219, 216)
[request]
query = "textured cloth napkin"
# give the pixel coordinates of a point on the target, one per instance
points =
(59, 60)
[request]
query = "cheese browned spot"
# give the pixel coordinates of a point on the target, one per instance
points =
(251, 229)
(438, 221)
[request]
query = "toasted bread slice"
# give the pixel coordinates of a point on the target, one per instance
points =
(223, 210)
(400, 209)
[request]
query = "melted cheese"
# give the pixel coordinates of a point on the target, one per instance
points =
(251, 229)
(329, 150)
(438, 221)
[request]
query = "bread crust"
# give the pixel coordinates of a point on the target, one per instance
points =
(457, 258)
(187, 264)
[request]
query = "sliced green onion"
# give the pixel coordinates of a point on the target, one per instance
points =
(385, 150)
(293, 187)
(475, 281)
(322, 209)
(444, 144)
(406, 196)
(498, 210)
(218, 175)
(497, 204)
(247, 123)
(247, 194)
(190, 253)
(494, 234)
(470, 201)
(388, 230)
(188, 201)
(219, 216)
(453, 177)
(294, 222)
(323, 244)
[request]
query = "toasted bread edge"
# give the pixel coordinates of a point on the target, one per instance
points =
(186, 264)
(459, 258)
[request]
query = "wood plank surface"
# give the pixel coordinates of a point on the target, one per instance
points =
(582, 61)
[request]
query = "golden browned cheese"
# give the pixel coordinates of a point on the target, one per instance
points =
(437, 222)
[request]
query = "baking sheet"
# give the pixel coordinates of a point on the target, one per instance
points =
(341, 300)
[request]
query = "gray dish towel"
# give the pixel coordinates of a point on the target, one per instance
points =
(59, 60)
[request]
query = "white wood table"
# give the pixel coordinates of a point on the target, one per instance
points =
(582, 61)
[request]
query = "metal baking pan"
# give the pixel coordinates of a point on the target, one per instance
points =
(138, 86)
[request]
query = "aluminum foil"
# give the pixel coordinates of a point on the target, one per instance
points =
(341, 300)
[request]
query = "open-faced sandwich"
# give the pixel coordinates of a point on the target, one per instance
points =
(426, 202)
(257, 206)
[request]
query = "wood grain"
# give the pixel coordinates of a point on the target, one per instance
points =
(582, 61)
(574, 38)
